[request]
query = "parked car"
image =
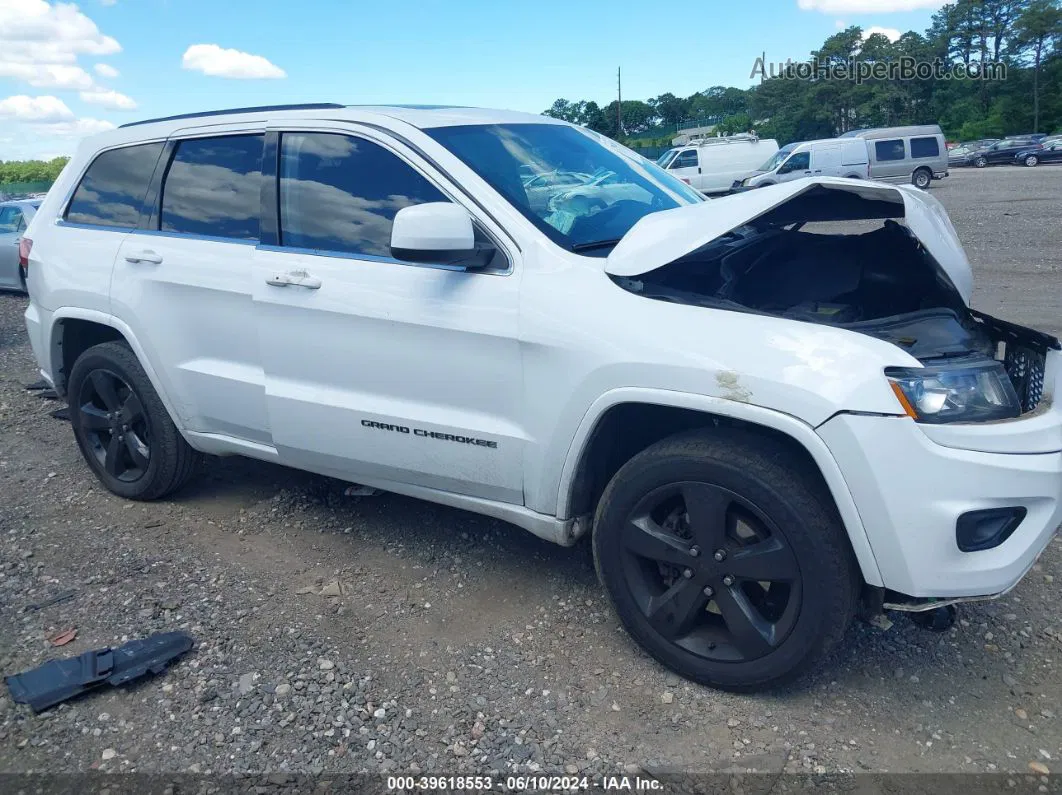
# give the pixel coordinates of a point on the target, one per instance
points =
(711, 165)
(1000, 152)
(14, 218)
(830, 157)
(1050, 152)
(914, 154)
(762, 426)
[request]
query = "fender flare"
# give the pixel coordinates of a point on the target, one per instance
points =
(796, 429)
(104, 319)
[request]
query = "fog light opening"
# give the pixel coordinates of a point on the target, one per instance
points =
(976, 531)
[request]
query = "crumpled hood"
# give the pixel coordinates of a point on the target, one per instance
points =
(663, 237)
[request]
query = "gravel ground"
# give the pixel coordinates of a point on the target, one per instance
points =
(344, 634)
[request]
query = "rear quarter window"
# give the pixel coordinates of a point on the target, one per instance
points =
(112, 191)
(924, 147)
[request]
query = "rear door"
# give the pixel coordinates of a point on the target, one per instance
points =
(182, 282)
(889, 160)
(378, 370)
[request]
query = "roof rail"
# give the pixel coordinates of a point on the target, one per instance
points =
(258, 109)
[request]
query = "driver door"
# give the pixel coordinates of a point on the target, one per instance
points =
(797, 166)
(686, 166)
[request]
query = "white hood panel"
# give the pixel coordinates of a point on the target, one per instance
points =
(663, 237)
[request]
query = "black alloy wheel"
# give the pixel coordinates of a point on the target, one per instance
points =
(122, 426)
(710, 572)
(724, 557)
(115, 425)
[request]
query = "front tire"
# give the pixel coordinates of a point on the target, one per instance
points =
(922, 179)
(725, 559)
(1031, 161)
(980, 162)
(122, 427)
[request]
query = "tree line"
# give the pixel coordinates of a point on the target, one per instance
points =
(965, 36)
(13, 171)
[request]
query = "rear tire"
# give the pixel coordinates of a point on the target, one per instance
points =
(122, 427)
(922, 178)
(725, 559)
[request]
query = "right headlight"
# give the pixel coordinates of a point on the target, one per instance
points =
(961, 391)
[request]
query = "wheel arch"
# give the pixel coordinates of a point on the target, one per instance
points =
(601, 445)
(74, 330)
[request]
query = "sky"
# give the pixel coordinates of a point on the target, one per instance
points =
(72, 69)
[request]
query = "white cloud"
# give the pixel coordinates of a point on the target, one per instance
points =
(35, 109)
(105, 98)
(210, 59)
(38, 32)
(105, 70)
(840, 24)
(867, 6)
(892, 34)
(78, 128)
(61, 76)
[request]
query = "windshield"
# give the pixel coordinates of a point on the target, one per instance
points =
(665, 159)
(777, 158)
(586, 195)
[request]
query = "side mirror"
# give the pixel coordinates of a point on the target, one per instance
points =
(439, 233)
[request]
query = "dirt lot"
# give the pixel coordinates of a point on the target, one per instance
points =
(459, 643)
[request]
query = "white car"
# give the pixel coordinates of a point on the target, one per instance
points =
(762, 426)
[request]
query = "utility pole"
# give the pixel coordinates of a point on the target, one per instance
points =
(619, 101)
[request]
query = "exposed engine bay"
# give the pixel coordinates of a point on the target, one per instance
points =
(883, 283)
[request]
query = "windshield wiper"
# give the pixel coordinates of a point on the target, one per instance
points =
(577, 247)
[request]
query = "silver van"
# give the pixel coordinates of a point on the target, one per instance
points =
(915, 154)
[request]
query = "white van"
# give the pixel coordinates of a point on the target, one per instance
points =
(829, 157)
(711, 165)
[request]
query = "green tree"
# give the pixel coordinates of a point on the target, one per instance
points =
(1037, 31)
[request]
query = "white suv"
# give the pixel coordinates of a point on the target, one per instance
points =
(763, 424)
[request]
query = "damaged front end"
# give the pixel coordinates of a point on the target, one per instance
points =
(906, 283)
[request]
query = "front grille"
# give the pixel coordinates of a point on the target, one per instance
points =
(1026, 370)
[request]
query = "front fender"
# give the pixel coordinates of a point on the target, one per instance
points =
(799, 431)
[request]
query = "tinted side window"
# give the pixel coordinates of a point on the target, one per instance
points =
(889, 150)
(801, 161)
(339, 193)
(924, 147)
(113, 188)
(213, 187)
(686, 159)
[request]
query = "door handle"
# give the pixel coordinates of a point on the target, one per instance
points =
(295, 279)
(807, 172)
(144, 256)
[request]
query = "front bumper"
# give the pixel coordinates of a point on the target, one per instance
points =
(910, 491)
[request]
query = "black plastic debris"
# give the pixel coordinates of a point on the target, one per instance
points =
(37, 385)
(59, 680)
(61, 414)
